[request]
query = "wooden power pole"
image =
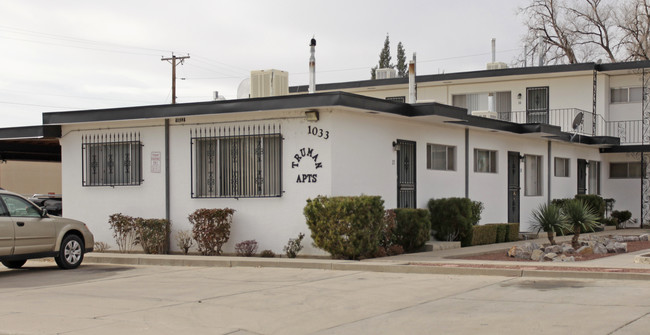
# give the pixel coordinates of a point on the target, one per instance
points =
(175, 60)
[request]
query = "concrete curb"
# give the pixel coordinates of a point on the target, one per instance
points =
(389, 267)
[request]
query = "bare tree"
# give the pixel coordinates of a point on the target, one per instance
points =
(547, 19)
(594, 24)
(634, 21)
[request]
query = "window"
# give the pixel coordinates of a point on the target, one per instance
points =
(625, 170)
(485, 161)
(20, 207)
(562, 167)
(533, 175)
(397, 99)
(111, 160)
(626, 94)
(497, 102)
(441, 157)
(594, 177)
(237, 163)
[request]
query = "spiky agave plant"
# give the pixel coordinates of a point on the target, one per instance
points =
(581, 217)
(549, 218)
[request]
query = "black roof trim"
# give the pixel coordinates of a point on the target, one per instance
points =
(49, 131)
(230, 106)
(479, 74)
(627, 148)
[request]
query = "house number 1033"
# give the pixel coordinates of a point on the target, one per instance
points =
(318, 132)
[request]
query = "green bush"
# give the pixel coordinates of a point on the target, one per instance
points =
(412, 229)
(502, 231)
(621, 216)
(594, 201)
(484, 234)
(512, 232)
(388, 236)
(123, 227)
(294, 246)
(560, 202)
(346, 227)
(152, 235)
(453, 218)
(246, 248)
(211, 229)
(609, 221)
(267, 253)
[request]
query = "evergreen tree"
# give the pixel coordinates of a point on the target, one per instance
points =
(384, 59)
(402, 68)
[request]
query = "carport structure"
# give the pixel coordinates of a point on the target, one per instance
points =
(31, 143)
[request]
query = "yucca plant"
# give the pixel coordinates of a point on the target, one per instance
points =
(549, 218)
(581, 217)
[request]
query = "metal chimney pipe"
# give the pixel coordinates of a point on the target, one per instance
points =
(312, 66)
(494, 50)
(541, 47)
(413, 94)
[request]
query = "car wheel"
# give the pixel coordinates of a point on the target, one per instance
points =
(14, 264)
(71, 253)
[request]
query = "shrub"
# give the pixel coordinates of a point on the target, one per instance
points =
(560, 202)
(512, 234)
(484, 234)
(152, 234)
(100, 247)
(412, 229)
(581, 217)
(502, 230)
(211, 229)
(550, 219)
(609, 221)
(267, 253)
(594, 201)
(246, 248)
(621, 216)
(184, 240)
(346, 227)
(452, 218)
(294, 246)
(124, 232)
(388, 237)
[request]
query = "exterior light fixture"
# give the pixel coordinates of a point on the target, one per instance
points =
(395, 146)
(519, 96)
(311, 115)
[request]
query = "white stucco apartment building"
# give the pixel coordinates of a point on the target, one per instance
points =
(508, 142)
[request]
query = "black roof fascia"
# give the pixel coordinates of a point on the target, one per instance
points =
(626, 148)
(48, 131)
(452, 76)
(623, 66)
(231, 106)
(29, 151)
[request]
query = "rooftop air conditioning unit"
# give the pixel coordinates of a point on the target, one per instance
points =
(497, 66)
(269, 83)
(487, 114)
(385, 73)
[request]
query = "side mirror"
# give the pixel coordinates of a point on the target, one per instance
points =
(43, 212)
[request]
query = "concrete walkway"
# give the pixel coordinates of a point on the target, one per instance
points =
(621, 266)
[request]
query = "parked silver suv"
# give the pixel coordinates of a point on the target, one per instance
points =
(27, 231)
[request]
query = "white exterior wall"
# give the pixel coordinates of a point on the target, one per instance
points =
(625, 111)
(626, 192)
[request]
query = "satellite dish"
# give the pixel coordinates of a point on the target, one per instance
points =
(244, 89)
(577, 121)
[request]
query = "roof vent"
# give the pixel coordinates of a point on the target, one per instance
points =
(269, 83)
(386, 73)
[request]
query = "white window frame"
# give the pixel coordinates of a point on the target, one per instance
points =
(449, 157)
(487, 163)
(628, 170)
(565, 164)
(627, 95)
(533, 175)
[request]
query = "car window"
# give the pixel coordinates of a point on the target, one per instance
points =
(19, 207)
(3, 210)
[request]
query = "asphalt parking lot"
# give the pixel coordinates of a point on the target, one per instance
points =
(121, 299)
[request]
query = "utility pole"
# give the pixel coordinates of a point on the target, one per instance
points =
(175, 60)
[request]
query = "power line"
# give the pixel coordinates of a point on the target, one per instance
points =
(175, 60)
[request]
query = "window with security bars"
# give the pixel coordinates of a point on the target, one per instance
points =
(111, 159)
(237, 162)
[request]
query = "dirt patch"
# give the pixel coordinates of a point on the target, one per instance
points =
(501, 255)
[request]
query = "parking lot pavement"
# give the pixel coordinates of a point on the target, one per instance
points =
(109, 299)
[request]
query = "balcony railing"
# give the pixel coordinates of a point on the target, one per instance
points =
(629, 132)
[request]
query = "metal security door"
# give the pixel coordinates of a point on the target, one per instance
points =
(405, 174)
(537, 105)
(513, 187)
(582, 176)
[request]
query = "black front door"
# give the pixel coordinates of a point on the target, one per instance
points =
(537, 105)
(582, 176)
(405, 174)
(513, 187)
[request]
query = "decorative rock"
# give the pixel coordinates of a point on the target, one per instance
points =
(550, 256)
(643, 237)
(569, 259)
(530, 246)
(513, 251)
(522, 254)
(537, 255)
(620, 247)
(631, 238)
(619, 238)
(611, 248)
(568, 249)
(600, 249)
(585, 250)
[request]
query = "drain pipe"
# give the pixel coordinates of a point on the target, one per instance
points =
(413, 94)
(312, 66)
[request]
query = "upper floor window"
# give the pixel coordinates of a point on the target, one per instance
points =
(485, 161)
(441, 157)
(562, 167)
(237, 162)
(625, 170)
(626, 94)
(492, 104)
(111, 160)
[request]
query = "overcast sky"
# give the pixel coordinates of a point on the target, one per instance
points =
(69, 55)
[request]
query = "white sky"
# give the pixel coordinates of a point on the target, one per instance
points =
(68, 55)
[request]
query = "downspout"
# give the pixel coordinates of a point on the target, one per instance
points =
(167, 179)
(549, 173)
(466, 162)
